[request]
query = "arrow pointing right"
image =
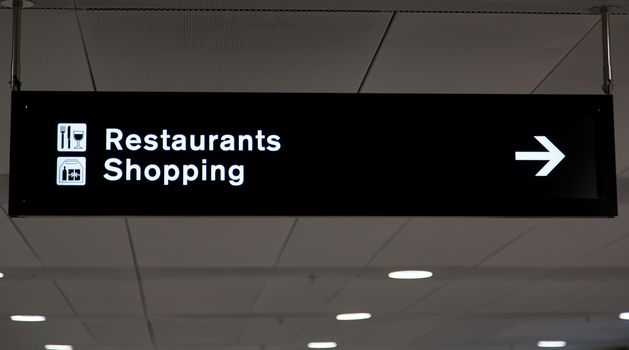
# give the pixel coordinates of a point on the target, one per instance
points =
(554, 156)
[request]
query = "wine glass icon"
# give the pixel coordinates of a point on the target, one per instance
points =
(78, 136)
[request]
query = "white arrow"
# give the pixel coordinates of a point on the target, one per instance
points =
(553, 156)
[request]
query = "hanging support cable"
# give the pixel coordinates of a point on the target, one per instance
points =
(15, 82)
(608, 86)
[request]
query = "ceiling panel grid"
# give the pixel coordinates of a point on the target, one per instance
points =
(231, 51)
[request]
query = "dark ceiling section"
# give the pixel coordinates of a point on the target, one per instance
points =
(486, 6)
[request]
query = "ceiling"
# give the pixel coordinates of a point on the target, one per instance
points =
(276, 283)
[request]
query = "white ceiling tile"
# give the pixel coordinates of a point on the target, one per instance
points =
(469, 330)
(112, 332)
(380, 295)
(403, 331)
(579, 331)
(472, 53)
(580, 72)
(274, 331)
(14, 252)
(103, 297)
(294, 295)
(31, 298)
(4, 190)
(459, 297)
(611, 301)
(285, 347)
(216, 296)
(206, 347)
(615, 255)
(340, 332)
(333, 242)
(209, 242)
(53, 34)
(476, 346)
(557, 327)
(231, 51)
(450, 241)
(560, 242)
(623, 189)
(34, 335)
(78, 242)
(196, 332)
(549, 297)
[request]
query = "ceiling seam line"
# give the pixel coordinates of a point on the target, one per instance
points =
(257, 297)
(54, 282)
(288, 236)
(472, 310)
(87, 57)
(23, 237)
(297, 335)
(73, 309)
(377, 52)
(387, 242)
(334, 295)
(564, 57)
(508, 244)
(138, 276)
(424, 297)
(585, 256)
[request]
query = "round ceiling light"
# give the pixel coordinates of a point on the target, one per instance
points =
(28, 318)
(353, 316)
(322, 345)
(410, 274)
(58, 347)
(551, 343)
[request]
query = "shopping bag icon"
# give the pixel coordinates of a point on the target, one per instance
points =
(71, 171)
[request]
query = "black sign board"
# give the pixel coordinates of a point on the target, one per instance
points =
(131, 153)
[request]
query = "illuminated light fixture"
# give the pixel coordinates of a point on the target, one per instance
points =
(28, 318)
(58, 347)
(353, 316)
(624, 316)
(322, 345)
(551, 344)
(1, 275)
(410, 274)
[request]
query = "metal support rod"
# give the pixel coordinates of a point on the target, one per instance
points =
(16, 84)
(608, 86)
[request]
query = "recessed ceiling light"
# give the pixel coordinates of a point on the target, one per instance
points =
(322, 345)
(353, 316)
(410, 274)
(624, 316)
(28, 318)
(58, 347)
(551, 343)
(1, 275)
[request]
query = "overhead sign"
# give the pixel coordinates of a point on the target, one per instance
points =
(110, 153)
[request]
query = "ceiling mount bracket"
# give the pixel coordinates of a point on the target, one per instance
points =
(17, 5)
(608, 86)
